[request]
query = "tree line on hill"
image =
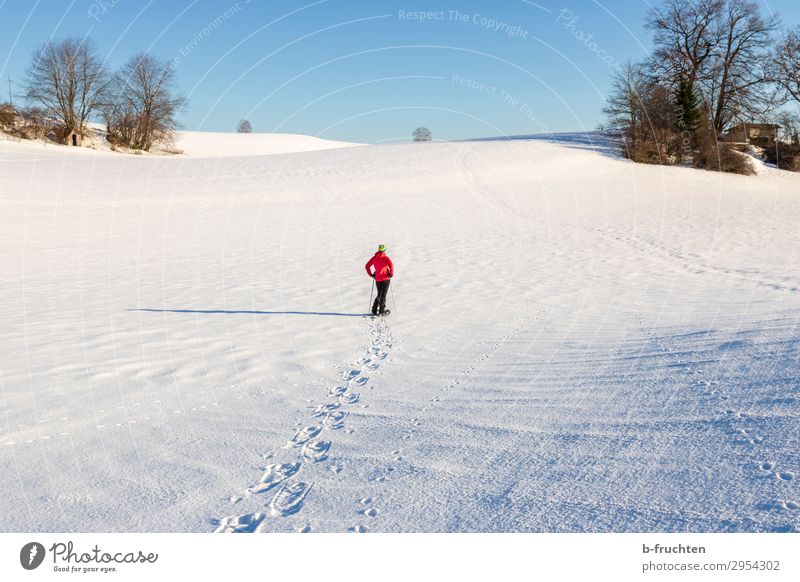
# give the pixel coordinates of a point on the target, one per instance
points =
(716, 65)
(68, 84)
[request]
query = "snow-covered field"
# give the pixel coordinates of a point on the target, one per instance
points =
(197, 144)
(577, 343)
(214, 145)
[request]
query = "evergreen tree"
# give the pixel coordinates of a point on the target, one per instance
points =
(688, 113)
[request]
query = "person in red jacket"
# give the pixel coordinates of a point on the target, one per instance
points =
(383, 272)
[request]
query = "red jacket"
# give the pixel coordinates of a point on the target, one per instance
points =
(384, 269)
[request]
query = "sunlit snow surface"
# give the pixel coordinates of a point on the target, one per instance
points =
(577, 343)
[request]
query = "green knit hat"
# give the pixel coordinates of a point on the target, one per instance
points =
(381, 248)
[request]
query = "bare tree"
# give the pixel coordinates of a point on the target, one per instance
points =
(36, 123)
(244, 127)
(68, 80)
(422, 134)
(8, 117)
(685, 37)
(737, 68)
(145, 105)
(787, 65)
(709, 69)
(642, 109)
(720, 48)
(623, 108)
(790, 127)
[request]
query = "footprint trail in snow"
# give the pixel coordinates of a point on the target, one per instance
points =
(308, 446)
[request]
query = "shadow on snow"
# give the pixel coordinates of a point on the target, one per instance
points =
(602, 142)
(249, 312)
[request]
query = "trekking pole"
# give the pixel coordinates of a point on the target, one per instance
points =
(394, 303)
(371, 289)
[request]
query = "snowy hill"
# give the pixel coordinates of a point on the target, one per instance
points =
(213, 144)
(577, 343)
(197, 144)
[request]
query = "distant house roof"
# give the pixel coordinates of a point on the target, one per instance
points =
(755, 133)
(757, 125)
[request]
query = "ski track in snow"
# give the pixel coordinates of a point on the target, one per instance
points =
(311, 445)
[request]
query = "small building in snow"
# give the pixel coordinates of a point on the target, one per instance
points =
(73, 138)
(758, 134)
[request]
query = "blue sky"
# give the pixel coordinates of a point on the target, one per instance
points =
(368, 71)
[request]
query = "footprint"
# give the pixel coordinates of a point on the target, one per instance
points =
(234, 499)
(289, 499)
(378, 474)
(792, 505)
(361, 381)
(351, 374)
(335, 420)
(337, 391)
(336, 469)
(767, 466)
(785, 476)
(316, 451)
(371, 512)
(241, 524)
(305, 434)
(274, 475)
(771, 506)
(358, 529)
(324, 409)
(349, 398)
(305, 529)
(365, 501)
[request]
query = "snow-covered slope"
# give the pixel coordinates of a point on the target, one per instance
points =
(577, 343)
(209, 144)
(196, 144)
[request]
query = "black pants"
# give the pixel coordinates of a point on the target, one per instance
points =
(379, 306)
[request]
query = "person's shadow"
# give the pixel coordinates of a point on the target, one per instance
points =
(249, 312)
